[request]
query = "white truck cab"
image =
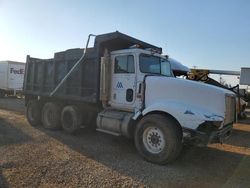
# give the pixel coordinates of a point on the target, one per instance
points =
(128, 70)
(143, 89)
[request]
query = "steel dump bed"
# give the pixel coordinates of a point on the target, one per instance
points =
(43, 75)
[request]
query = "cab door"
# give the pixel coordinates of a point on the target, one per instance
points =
(123, 79)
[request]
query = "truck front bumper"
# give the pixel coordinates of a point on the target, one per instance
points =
(209, 134)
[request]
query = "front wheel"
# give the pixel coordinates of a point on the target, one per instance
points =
(158, 139)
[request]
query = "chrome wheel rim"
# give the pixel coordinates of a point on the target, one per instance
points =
(153, 140)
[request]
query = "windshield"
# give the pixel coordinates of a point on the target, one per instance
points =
(154, 65)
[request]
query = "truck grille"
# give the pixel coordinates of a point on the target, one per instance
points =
(230, 109)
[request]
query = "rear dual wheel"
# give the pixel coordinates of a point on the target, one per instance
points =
(2, 93)
(51, 113)
(71, 119)
(33, 112)
(53, 116)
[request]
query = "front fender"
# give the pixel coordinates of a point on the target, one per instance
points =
(187, 115)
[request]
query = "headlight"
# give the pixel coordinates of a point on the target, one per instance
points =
(217, 123)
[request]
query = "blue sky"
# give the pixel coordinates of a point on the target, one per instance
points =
(211, 34)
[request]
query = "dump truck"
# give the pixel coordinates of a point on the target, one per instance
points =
(125, 87)
(11, 77)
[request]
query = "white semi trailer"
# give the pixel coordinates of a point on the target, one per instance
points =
(126, 87)
(11, 77)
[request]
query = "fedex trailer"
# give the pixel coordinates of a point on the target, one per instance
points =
(11, 77)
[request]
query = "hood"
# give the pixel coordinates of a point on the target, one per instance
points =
(209, 99)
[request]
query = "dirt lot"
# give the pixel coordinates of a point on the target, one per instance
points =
(35, 157)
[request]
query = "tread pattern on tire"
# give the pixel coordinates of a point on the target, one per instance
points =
(76, 118)
(55, 111)
(173, 140)
(33, 112)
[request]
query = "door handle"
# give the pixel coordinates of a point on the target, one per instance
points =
(140, 90)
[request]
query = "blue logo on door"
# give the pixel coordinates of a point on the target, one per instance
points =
(119, 85)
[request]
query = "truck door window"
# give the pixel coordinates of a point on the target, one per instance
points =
(124, 64)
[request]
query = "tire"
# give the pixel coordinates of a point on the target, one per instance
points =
(51, 116)
(71, 119)
(33, 112)
(2, 93)
(158, 138)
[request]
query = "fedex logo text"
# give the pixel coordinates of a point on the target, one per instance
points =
(15, 71)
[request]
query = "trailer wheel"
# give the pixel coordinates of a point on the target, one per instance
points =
(33, 112)
(51, 115)
(71, 119)
(2, 93)
(158, 139)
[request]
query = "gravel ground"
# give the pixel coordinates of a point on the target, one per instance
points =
(35, 157)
